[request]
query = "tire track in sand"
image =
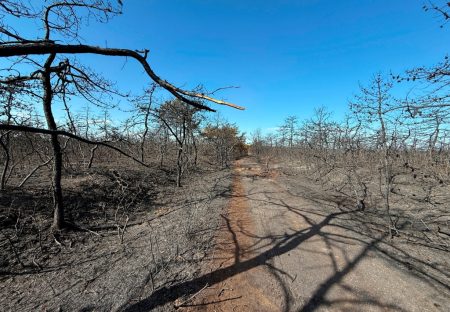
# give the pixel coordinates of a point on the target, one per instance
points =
(239, 291)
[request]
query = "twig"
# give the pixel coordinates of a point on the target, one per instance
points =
(179, 305)
(83, 228)
(57, 241)
(425, 225)
(33, 171)
(90, 231)
(161, 215)
(121, 232)
(36, 264)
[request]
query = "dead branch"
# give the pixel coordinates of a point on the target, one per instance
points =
(47, 47)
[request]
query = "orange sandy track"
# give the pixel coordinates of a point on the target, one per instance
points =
(240, 291)
(286, 246)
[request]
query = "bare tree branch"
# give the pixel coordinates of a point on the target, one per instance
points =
(69, 135)
(45, 47)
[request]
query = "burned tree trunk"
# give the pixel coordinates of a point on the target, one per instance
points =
(5, 146)
(6, 142)
(58, 206)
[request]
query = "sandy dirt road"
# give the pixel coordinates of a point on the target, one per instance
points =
(285, 246)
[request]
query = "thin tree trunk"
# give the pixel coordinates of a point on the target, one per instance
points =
(181, 152)
(58, 214)
(387, 191)
(146, 119)
(387, 169)
(179, 166)
(91, 159)
(5, 146)
(194, 145)
(58, 207)
(161, 156)
(144, 136)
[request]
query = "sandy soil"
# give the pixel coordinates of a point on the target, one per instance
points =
(288, 246)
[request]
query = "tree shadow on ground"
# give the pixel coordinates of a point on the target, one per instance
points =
(261, 253)
(284, 245)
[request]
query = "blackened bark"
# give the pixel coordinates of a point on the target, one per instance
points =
(6, 143)
(5, 146)
(58, 205)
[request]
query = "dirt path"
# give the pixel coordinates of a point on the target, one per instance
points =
(286, 247)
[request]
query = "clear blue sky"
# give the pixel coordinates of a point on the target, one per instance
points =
(286, 56)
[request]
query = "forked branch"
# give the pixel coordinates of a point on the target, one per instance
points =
(49, 47)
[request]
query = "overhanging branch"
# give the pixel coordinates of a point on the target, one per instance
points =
(48, 47)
